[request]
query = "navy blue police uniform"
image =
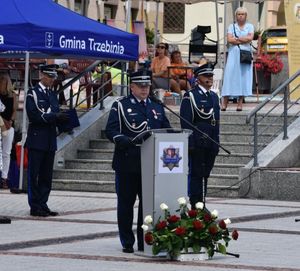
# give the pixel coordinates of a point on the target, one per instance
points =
(127, 119)
(201, 108)
(42, 109)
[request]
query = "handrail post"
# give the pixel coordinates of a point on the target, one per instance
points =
(285, 108)
(101, 94)
(255, 134)
(122, 79)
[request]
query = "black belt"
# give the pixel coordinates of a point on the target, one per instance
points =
(212, 122)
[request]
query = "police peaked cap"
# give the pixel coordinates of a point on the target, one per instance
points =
(50, 70)
(141, 77)
(207, 68)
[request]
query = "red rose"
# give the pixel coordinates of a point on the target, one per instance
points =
(173, 219)
(222, 224)
(161, 225)
(213, 230)
(180, 231)
(192, 213)
(197, 225)
(235, 235)
(207, 217)
(149, 238)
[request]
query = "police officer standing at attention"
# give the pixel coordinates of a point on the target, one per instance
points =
(43, 112)
(200, 106)
(129, 117)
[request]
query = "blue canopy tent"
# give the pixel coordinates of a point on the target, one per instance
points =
(45, 29)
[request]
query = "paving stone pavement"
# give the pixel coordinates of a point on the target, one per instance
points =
(85, 237)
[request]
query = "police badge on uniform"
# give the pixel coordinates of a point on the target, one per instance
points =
(171, 157)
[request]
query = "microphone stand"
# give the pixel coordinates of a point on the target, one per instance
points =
(154, 99)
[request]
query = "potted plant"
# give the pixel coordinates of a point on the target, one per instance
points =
(269, 64)
(189, 231)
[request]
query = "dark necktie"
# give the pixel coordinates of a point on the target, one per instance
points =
(142, 102)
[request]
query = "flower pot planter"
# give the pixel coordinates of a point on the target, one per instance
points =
(190, 256)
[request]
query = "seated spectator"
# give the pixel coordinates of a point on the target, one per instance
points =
(180, 75)
(159, 67)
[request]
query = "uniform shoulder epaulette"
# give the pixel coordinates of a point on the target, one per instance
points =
(121, 98)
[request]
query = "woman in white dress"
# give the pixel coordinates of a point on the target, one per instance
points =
(238, 76)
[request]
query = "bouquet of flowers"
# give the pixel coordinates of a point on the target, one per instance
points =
(269, 63)
(190, 229)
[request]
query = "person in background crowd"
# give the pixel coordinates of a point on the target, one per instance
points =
(238, 76)
(200, 106)
(129, 117)
(9, 99)
(159, 68)
(43, 113)
(180, 75)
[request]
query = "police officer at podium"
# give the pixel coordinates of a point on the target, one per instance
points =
(43, 113)
(130, 116)
(201, 107)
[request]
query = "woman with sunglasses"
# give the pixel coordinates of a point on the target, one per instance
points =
(159, 68)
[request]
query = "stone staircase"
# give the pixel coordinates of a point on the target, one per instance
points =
(91, 169)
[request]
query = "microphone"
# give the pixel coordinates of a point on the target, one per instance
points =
(206, 82)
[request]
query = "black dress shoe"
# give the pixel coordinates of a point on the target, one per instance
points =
(40, 213)
(5, 220)
(128, 249)
(52, 213)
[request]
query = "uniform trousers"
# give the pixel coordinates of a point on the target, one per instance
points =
(128, 187)
(201, 162)
(40, 169)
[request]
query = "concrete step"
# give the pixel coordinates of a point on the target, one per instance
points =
(240, 147)
(83, 174)
(223, 191)
(233, 127)
(83, 185)
(223, 179)
(100, 154)
(230, 169)
(243, 137)
(233, 158)
(94, 164)
(101, 144)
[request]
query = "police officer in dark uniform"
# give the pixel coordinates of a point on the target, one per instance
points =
(201, 107)
(43, 112)
(129, 117)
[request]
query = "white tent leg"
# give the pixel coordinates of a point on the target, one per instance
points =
(24, 126)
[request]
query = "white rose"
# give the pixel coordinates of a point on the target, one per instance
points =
(199, 205)
(164, 206)
(182, 201)
(145, 227)
(214, 213)
(227, 221)
(148, 219)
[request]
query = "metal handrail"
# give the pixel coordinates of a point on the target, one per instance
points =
(274, 93)
(83, 73)
(284, 87)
